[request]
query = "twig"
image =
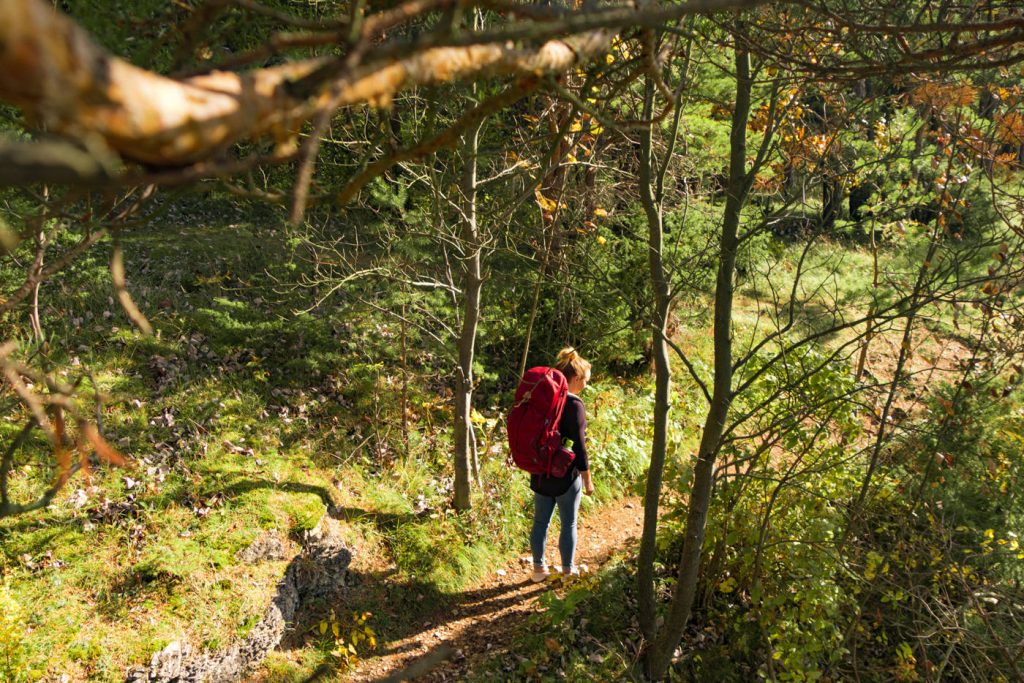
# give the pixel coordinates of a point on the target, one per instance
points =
(445, 138)
(689, 366)
(123, 296)
(307, 160)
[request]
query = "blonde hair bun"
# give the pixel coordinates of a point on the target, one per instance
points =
(571, 364)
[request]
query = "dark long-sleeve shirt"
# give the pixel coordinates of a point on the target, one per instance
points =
(573, 426)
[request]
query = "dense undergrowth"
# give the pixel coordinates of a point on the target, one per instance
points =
(927, 586)
(802, 581)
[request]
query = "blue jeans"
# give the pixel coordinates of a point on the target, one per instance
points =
(568, 509)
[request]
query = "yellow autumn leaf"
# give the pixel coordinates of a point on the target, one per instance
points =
(601, 240)
(600, 213)
(546, 205)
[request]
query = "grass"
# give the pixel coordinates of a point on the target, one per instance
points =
(242, 416)
(154, 566)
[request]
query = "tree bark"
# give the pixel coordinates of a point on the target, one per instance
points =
(464, 445)
(831, 198)
(34, 273)
(662, 376)
(659, 655)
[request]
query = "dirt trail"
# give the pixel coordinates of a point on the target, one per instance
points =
(489, 614)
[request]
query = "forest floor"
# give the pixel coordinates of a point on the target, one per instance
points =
(446, 638)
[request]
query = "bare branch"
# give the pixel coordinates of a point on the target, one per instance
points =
(689, 366)
(117, 276)
(53, 161)
(444, 139)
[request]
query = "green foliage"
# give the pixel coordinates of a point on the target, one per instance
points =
(13, 632)
(779, 602)
(618, 434)
(970, 462)
(769, 589)
(347, 639)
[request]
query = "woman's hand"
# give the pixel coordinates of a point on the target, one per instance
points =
(588, 486)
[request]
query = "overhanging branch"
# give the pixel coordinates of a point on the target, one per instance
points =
(52, 69)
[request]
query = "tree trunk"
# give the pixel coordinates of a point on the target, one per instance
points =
(405, 382)
(552, 186)
(470, 320)
(662, 377)
(659, 655)
(36, 270)
(831, 200)
(870, 332)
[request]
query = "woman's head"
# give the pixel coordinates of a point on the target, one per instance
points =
(575, 368)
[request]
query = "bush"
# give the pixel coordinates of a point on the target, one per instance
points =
(13, 661)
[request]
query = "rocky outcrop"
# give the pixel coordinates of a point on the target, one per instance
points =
(267, 546)
(316, 573)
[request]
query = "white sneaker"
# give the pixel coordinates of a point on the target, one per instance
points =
(539, 574)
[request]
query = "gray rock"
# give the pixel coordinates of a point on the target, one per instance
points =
(317, 572)
(267, 546)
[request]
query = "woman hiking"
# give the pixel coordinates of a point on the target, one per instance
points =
(563, 492)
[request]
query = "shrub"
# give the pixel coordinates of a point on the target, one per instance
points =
(13, 661)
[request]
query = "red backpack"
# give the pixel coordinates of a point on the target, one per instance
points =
(533, 438)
